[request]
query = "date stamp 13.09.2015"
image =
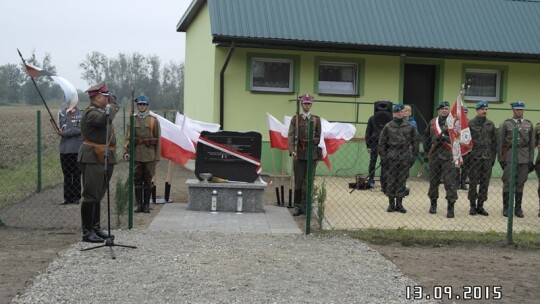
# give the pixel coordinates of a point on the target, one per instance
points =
(488, 292)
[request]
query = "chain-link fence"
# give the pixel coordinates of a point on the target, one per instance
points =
(32, 188)
(351, 203)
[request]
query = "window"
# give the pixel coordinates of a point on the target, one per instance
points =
(272, 74)
(485, 84)
(338, 78)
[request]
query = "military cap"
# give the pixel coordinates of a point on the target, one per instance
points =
(518, 105)
(397, 108)
(98, 89)
(481, 104)
(306, 98)
(142, 100)
(443, 104)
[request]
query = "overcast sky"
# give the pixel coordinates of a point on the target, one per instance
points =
(71, 29)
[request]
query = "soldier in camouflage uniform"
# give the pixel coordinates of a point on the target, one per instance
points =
(297, 141)
(437, 143)
(525, 155)
(93, 129)
(398, 147)
(146, 152)
(480, 160)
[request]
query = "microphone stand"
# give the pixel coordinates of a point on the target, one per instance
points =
(109, 242)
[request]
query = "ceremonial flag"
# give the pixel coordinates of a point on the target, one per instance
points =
(193, 128)
(175, 144)
(334, 134)
(278, 133)
(70, 93)
(460, 134)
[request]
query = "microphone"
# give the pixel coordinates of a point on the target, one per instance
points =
(107, 109)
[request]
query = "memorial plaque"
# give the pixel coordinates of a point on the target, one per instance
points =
(225, 161)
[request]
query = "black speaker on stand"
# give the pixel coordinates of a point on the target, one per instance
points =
(382, 113)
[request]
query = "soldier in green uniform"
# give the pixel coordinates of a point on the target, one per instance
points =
(537, 164)
(441, 164)
(146, 154)
(481, 158)
(297, 141)
(92, 157)
(398, 147)
(525, 153)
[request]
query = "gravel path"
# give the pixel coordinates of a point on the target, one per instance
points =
(205, 267)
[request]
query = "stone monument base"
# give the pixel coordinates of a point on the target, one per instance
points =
(200, 196)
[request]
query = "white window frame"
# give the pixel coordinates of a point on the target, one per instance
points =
(338, 87)
(497, 96)
(287, 89)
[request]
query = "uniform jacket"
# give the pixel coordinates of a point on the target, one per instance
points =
(94, 129)
(525, 145)
(145, 150)
(398, 142)
(440, 144)
(70, 125)
(484, 138)
(303, 127)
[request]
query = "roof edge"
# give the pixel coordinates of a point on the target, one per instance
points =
(379, 49)
(189, 15)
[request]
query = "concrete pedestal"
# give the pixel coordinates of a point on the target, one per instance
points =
(200, 196)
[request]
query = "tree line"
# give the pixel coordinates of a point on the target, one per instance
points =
(163, 84)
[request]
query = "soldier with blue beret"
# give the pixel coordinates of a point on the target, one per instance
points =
(398, 147)
(525, 153)
(480, 160)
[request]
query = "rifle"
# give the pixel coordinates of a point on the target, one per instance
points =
(51, 118)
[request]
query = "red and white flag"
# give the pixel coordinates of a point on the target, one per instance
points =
(460, 134)
(175, 144)
(334, 135)
(71, 97)
(193, 128)
(278, 133)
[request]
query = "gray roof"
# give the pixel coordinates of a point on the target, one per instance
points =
(486, 28)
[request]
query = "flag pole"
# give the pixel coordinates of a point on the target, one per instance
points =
(51, 119)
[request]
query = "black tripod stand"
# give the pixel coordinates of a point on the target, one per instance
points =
(109, 242)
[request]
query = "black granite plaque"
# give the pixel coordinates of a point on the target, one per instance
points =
(225, 165)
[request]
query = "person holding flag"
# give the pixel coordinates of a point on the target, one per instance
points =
(297, 142)
(481, 158)
(525, 154)
(437, 141)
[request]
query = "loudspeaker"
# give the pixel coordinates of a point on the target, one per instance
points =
(382, 118)
(382, 106)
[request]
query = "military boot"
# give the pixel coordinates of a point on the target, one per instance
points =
(297, 202)
(146, 200)
(399, 205)
(138, 198)
(506, 197)
(472, 210)
(433, 207)
(96, 223)
(450, 210)
(463, 184)
(391, 204)
(480, 209)
(517, 209)
(87, 214)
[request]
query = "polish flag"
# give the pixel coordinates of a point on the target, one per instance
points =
(193, 128)
(460, 134)
(278, 133)
(175, 144)
(334, 135)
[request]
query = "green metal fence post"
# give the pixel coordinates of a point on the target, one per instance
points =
(309, 177)
(39, 169)
(512, 185)
(131, 170)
